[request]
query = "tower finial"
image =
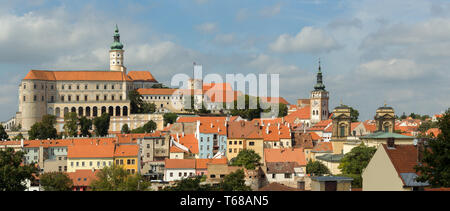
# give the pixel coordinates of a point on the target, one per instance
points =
(319, 65)
(117, 29)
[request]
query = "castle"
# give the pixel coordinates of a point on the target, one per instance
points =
(88, 93)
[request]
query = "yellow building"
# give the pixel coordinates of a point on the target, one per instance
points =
(89, 156)
(126, 155)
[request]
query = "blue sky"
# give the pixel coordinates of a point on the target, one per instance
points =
(372, 51)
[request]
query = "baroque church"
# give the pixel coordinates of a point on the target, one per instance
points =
(88, 93)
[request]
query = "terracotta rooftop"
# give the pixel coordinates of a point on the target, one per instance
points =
(82, 177)
(281, 167)
(126, 150)
(188, 140)
(47, 75)
(302, 113)
(180, 163)
(141, 76)
(203, 163)
(90, 151)
(154, 91)
(322, 147)
(285, 155)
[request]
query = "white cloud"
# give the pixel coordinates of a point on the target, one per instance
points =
(207, 27)
(271, 10)
(309, 40)
(396, 69)
(225, 39)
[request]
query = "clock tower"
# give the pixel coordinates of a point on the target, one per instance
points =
(319, 100)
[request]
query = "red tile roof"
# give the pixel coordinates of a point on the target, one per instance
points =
(285, 155)
(180, 163)
(175, 149)
(315, 137)
(403, 157)
(203, 163)
(152, 91)
(90, 151)
(275, 134)
(323, 147)
(126, 150)
(434, 131)
(274, 100)
(141, 76)
(46, 75)
(188, 140)
(302, 113)
(82, 177)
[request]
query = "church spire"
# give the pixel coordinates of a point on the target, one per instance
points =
(117, 45)
(319, 84)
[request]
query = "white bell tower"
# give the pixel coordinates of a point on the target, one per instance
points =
(116, 54)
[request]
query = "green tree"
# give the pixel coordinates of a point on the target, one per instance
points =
(12, 173)
(234, 182)
(44, 129)
(3, 134)
(56, 181)
(247, 158)
(101, 124)
(170, 118)
(316, 168)
(125, 129)
(403, 116)
(85, 126)
(148, 108)
(149, 127)
(19, 137)
(116, 178)
(247, 112)
(71, 124)
(355, 161)
(434, 166)
(135, 101)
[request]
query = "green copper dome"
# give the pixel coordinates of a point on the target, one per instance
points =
(116, 45)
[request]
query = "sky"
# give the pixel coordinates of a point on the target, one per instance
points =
(372, 51)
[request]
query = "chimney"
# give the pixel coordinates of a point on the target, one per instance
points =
(98, 141)
(267, 130)
(391, 143)
(182, 134)
(21, 142)
(420, 149)
(212, 125)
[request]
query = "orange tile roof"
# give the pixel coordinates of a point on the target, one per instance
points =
(217, 127)
(82, 177)
(285, 155)
(180, 163)
(152, 91)
(200, 118)
(315, 137)
(274, 100)
(126, 150)
(435, 131)
(188, 140)
(323, 147)
(276, 134)
(46, 75)
(221, 96)
(353, 125)
(141, 76)
(242, 129)
(302, 113)
(66, 142)
(217, 86)
(175, 149)
(90, 151)
(370, 127)
(203, 163)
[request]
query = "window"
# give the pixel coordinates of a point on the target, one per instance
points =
(90, 163)
(24, 86)
(121, 162)
(70, 87)
(71, 163)
(128, 161)
(117, 162)
(86, 86)
(112, 97)
(235, 142)
(251, 143)
(162, 142)
(82, 163)
(62, 98)
(179, 174)
(287, 175)
(34, 97)
(105, 97)
(24, 98)
(98, 163)
(171, 174)
(240, 142)
(105, 86)
(34, 86)
(77, 164)
(185, 174)
(97, 97)
(148, 155)
(85, 98)
(112, 86)
(69, 98)
(97, 86)
(148, 146)
(65, 168)
(59, 168)
(78, 98)
(78, 87)
(104, 163)
(273, 176)
(201, 139)
(51, 87)
(42, 98)
(212, 176)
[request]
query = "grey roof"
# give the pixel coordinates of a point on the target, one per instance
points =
(334, 158)
(410, 180)
(331, 178)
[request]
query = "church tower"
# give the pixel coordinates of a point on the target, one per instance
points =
(319, 100)
(385, 119)
(116, 54)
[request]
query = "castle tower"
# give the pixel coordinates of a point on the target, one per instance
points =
(116, 54)
(319, 100)
(341, 128)
(385, 119)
